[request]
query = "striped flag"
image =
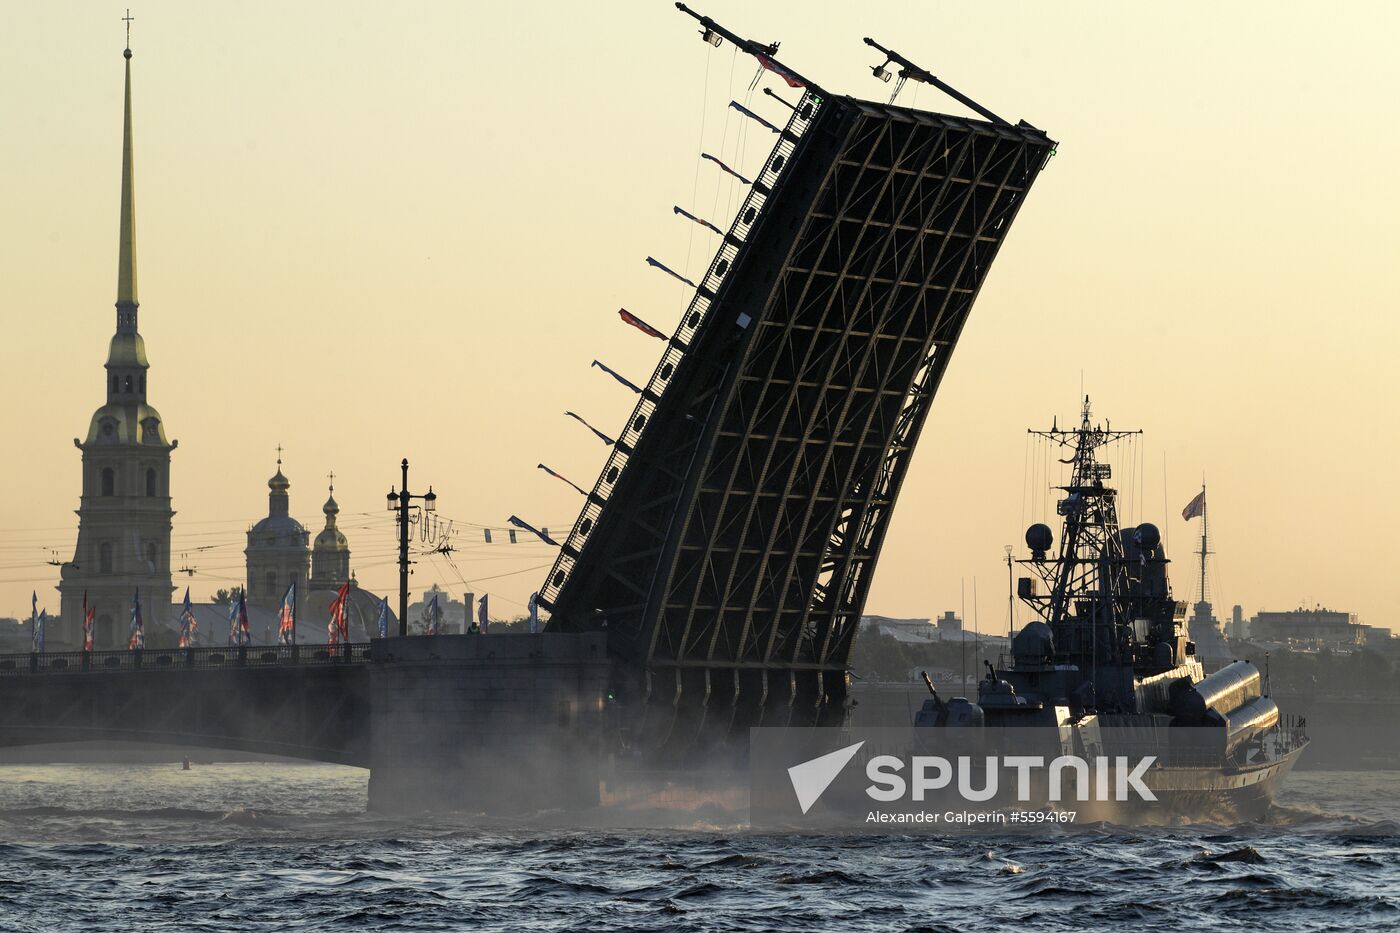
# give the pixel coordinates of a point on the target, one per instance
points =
(601, 436)
(338, 628)
(483, 616)
(539, 533)
(641, 325)
(753, 116)
(725, 168)
(704, 223)
(287, 617)
(189, 626)
(36, 624)
(1196, 507)
(534, 608)
(238, 633)
(137, 639)
(671, 272)
(620, 379)
(384, 617)
(88, 613)
(562, 479)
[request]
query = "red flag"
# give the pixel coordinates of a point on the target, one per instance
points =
(1196, 507)
(88, 613)
(768, 63)
(338, 630)
(640, 324)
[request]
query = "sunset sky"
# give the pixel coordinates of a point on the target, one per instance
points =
(367, 235)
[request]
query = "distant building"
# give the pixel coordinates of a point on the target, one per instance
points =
(1237, 629)
(453, 611)
(124, 514)
(949, 623)
(1319, 628)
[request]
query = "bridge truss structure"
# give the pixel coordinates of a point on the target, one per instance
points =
(729, 543)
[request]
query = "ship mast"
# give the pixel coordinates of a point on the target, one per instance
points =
(1205, 551)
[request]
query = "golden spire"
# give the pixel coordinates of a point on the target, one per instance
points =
(126, 263)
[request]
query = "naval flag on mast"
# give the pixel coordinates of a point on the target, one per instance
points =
(1196, 507)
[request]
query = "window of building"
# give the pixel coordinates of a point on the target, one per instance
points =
(109, 481)
(115, 385)
(150, 482)
(151, 555)
(143, 383)
(104, 557)
(127, 385)
(271, 583)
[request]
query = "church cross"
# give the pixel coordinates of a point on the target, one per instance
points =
(127, 19)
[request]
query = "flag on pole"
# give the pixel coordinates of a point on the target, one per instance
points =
(704, 223)
(88, 613)
(534, 613)
(537, 532)
(39, 631)
(36, 638)
(725, 168)
(601, 436)
(753, 116)
(238, 633)
(671, 272)
(483, 618)
(432, 617)
(137, 639)
(384, 617)
(620, 379)
(189, 626)
(768, 64)
(1196, 507)
(287, 617)
(338, 628)
(562, 479)
(641, 325)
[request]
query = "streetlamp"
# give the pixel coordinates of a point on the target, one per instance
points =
(401, 502)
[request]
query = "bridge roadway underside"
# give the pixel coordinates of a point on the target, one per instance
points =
(496, 724)
(321, 712)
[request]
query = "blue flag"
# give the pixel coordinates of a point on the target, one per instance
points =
(384, 617)
(753, 116)
(534, 613)
(137, 639)
(601, 436)
(620, 379)
(672, 273)
(483, 618)
(533, 530)
(39, 631)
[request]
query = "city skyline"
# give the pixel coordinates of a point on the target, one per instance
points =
(282, 231)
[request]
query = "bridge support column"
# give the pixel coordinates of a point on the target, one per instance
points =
(487, 723)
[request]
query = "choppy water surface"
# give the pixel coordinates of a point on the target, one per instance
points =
(269, 846)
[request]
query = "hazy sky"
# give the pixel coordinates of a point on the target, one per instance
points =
(369, 235)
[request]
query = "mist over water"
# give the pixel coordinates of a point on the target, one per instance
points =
(264, 846)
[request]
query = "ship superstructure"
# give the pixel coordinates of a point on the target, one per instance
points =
(1107, 663)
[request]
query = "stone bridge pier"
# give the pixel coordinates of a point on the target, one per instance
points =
(491, 724)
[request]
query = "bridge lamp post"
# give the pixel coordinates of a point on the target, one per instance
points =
(402, 502)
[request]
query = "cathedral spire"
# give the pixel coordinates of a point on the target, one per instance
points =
(126, 263)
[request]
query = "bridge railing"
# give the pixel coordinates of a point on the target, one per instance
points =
(165, 659)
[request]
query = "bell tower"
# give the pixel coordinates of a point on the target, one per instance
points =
(124, 515)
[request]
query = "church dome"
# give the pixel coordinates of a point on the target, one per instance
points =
(277, 530)
(279, 483)
(330, 538)
(127, 350)
(127, 423)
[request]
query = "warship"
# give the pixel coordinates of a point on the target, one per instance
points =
(1106, 666)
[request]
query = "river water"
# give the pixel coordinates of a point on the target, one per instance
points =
(266, 846)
